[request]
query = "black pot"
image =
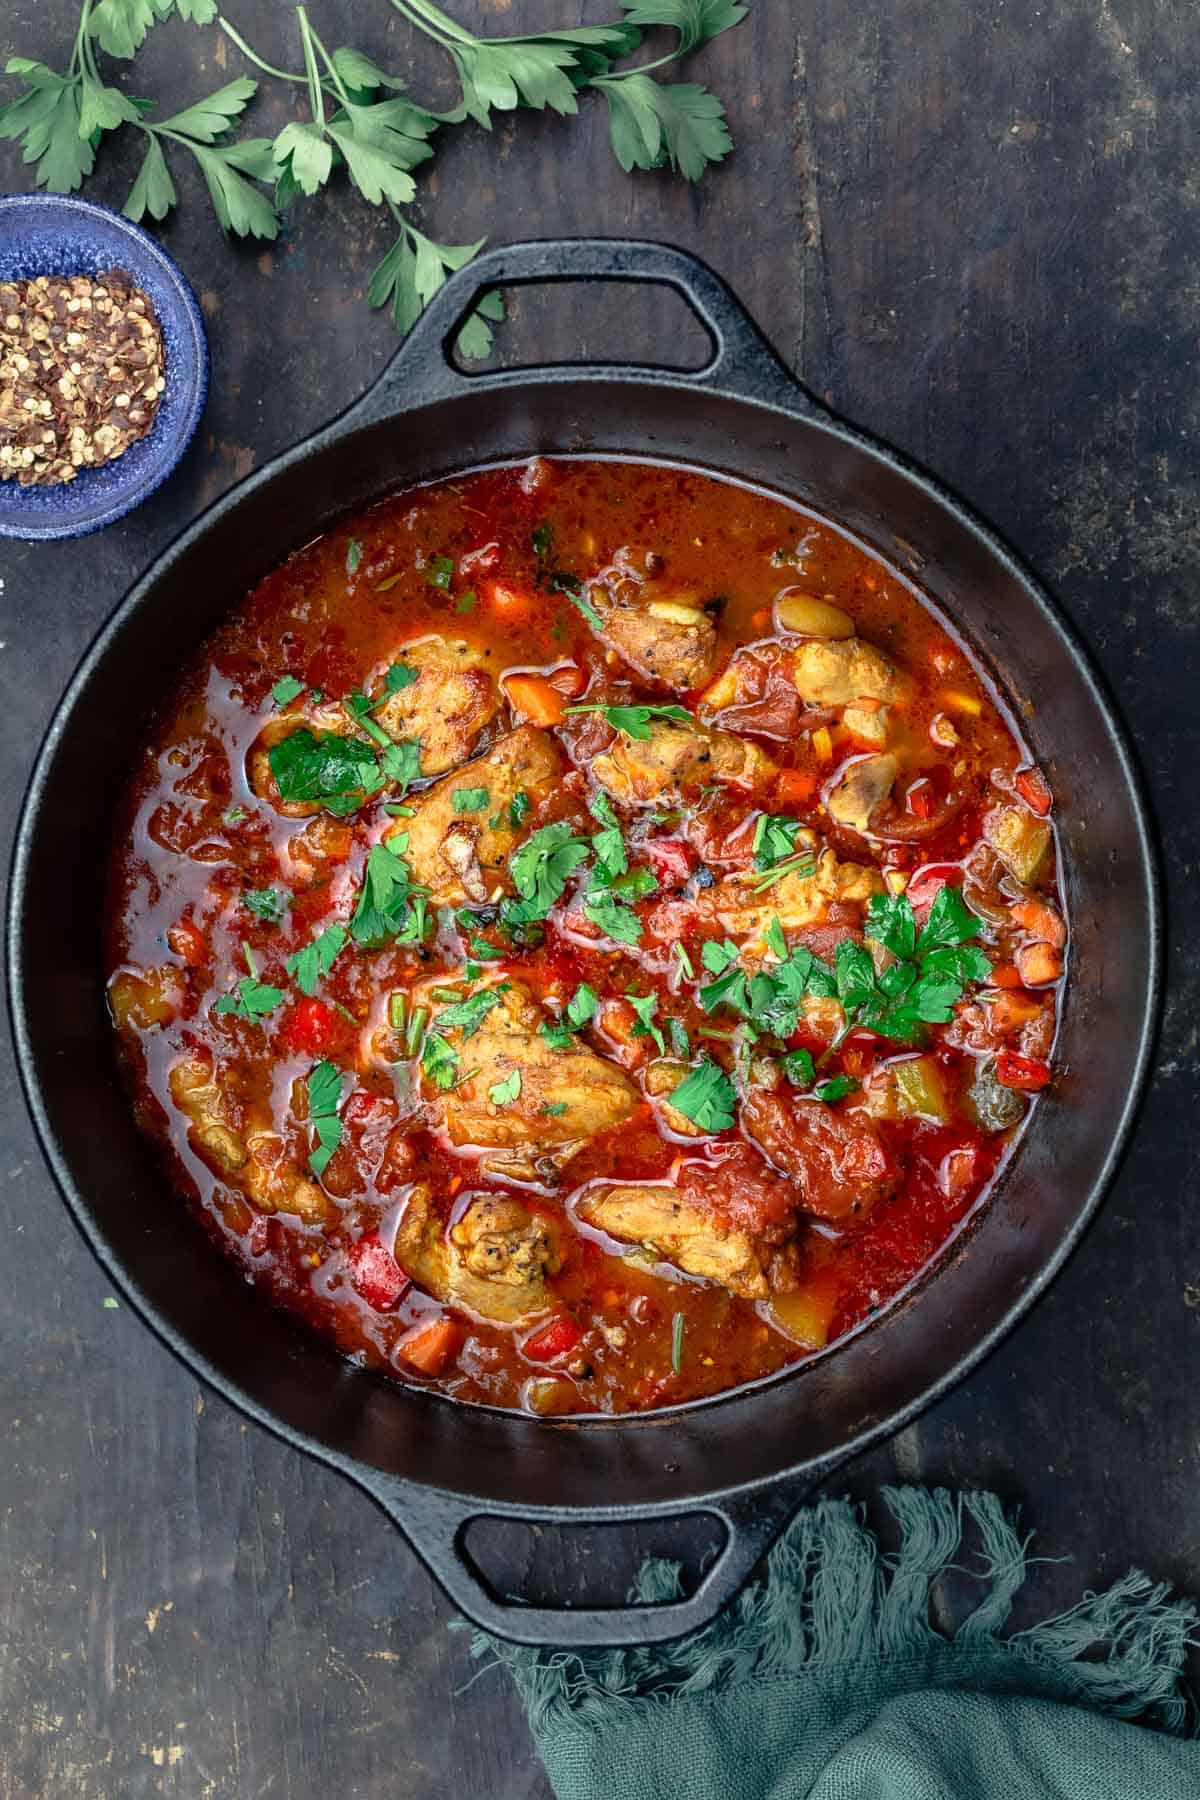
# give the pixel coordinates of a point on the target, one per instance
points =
(747, 1457)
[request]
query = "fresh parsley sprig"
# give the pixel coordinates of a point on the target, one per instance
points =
(634, 720)
(324, 1089)
(360, 123)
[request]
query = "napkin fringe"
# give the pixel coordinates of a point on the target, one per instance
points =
(832, 1597)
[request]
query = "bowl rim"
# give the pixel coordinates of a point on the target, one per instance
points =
(196, 362)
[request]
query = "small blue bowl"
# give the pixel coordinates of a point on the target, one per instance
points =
(54, 234)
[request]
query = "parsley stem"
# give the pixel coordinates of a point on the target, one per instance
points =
(416, 1029)
(433, 22)
(316, 96)
(252, 56)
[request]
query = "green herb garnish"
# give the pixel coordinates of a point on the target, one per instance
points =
(252, 998)
(324, 1088)
(391, 908)
(470, 800)
(439, 1062)
(677, 1329)
(799, 1068)
(774, 839)
(634, 720)
(608, 843)
(541, 869)
(439, 572)
(268, 904)
(339, 773)
(307, 966)
(836, 1089)
(354, 554)
(706, 1097)
(645, 1006)
(616, 921)
(399, 676)
(506, 1091)
(286, 689)
(468, 1015)
(518, 806)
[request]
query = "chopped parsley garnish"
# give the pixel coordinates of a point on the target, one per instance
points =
(836, 1089)
(252, 998)
(634, 721)
(286, 689)
(307, 966)
(470, 800)
(679, 1037)
(803, 863)
(483, 950)
(268, 904)
(774, 839)
(614, 920)
(582, 1006)
(567, 584)
(235, 815)
(541, 869)
(685, 963)
(401, 762)
(468, 1015)
(439, 1062)
(518, 806)
(354, 552)
(358, 709)
(608, 843)
(324, 1088)
(439, 572)
(542, 543)
(645, 1006)
(554, 1109)
(706, 1097)
(339, 773)
(677, 1328)
(799, 1068)
(398, 677)
(390, 907)
(467, 601)
(504, 1092)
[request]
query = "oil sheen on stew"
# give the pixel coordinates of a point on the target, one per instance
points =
(584, 935)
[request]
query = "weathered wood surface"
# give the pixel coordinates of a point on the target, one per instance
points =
(977, 231)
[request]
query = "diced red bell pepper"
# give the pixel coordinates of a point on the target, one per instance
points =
(188, 941)
(928, 883)
(921, 800)
(376, 1274)
(553, 1341)
(671, 860)
(311, 1027)
(570, 680)
(1027, 1073)
(1034, 790)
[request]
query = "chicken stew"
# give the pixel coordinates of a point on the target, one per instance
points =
(585, 935)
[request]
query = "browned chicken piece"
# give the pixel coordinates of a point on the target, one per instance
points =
(863, 784)
(447, 707)
(672, 1227)
(733, 1220)
(493, 1262)
(837, 672)
(565, 1098)
(800, 898)
(663, 633)
(834, 1154)
(676, 761)
(463, 856)
(255, 1161)
(146, 997)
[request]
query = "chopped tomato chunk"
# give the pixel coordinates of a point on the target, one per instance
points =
(376, 1274)
(1034, 790)
(920, 799)
(312, 1027)
(795, 787)
(671, 860)
(187, 940)
(1024, 1072)
(553, 1341)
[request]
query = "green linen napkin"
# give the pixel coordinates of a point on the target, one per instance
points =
(828, 1681)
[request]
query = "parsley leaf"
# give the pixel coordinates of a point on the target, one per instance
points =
(582, 1006)
(645, 1006)
(836, 1089)
(950, 921)
(774, 839)
(390, 906)
(286, 689)
(518, 806)
(398, 677)
(470, 800)
(615, 921)
(267, 904)
(554, 1109)
(541, 868)
(324, 1089)
(439, 572)
(308, 965)
(799, 1068)
(468, 1015)
(439, 1062)
(339, 772)
(608, 843)
(706, 1097)
(401, 762)
(252, 999)
(634, 720)
(354, 554)
(657, 122)
(503, 1092)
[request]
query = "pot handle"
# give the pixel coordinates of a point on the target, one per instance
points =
(435, 1524)
(742, 361)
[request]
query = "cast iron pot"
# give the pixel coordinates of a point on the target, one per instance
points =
(748, 1457)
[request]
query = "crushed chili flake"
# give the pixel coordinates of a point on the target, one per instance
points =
(82, 370)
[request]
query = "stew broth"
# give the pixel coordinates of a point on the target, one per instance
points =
(584, 935)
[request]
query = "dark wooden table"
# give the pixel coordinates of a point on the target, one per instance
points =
(976, 230)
